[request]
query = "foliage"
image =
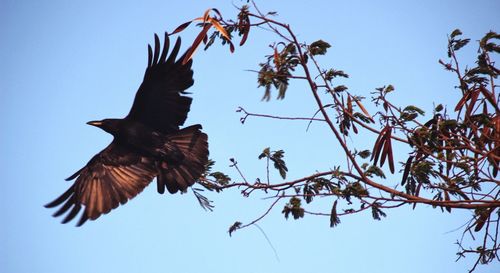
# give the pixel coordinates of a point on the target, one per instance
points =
(453, 157)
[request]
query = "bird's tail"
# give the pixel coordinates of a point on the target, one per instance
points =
(193, 145)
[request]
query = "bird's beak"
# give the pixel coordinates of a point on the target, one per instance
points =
(95, 123)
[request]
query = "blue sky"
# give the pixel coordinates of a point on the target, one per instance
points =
(65, 63)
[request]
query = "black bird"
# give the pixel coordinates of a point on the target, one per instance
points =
(147, 143)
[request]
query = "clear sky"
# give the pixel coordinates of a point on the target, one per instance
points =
(64, 63)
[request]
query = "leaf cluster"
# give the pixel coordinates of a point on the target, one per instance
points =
(451, 156)
(277, 158)
(294, 208)
(277, 70)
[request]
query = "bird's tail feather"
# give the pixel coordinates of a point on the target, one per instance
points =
(193, 145)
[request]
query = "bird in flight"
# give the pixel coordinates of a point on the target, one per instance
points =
(147, 143)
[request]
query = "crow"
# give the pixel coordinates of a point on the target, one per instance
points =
(147, 143)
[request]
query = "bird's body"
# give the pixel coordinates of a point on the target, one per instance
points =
(147, 143)
(141, 139)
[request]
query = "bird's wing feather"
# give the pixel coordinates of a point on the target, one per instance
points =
(160, 102)
(112, 177)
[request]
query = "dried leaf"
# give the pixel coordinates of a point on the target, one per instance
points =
(406, 171)
(473, 99)
(388, 143)
(488, 95)
(219, 27)
(462, 101)
(206, 15)
(378, 146)
(196, 43)
(181, 27)
(358, 102)
(387, 149)
(217, 11)
(349, 104)
(231, 47)
(386, 106)
(246, 31)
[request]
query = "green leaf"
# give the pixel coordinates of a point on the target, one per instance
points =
(364, 154)
(265, 79)
(413, 109)
(458, 44)
(389, 88)
(490, 35)
(308, 193)
(267, 93)
(319, 47)
(208, 167)
(293, 207)
(455, 33)
(279, 163)
(339, 88)
(277, 158)
(290, 48)
(422, 170)
(377, 212)
(282, 87)
(492, 47)
(408, 116)
(221, 178)
(334, 219)
(374, 170)
(332, 73)
(362, 117)
(354, 189)
(265, 153)
(234, 227)
(204, 202)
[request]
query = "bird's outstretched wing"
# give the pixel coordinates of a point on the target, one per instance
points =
(111, 178)
(159, 102)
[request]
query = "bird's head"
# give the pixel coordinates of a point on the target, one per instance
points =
(108, 125)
